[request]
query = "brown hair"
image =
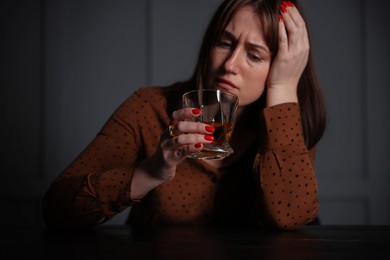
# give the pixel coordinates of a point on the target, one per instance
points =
(311, 101)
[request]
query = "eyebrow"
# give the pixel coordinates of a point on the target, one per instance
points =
(252, 45)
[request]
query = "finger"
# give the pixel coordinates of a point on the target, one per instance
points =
(180, 115)
(295, 26)
(176, 156)
(283, 40)
(184, 151)
(193, 127)
(186, 140)
(174, 151)
(181, 153)
(189, 127)
(295, 17)
(185, 113)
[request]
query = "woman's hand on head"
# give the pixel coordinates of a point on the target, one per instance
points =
(291, 59)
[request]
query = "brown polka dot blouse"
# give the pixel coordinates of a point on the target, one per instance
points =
(272, 183)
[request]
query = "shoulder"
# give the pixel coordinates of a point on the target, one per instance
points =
(155, 98)
(158, 96)
(146, 95)
(155, 94)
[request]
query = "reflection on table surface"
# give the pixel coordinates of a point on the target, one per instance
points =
(178, 242)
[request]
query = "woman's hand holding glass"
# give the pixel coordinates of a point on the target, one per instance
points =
(184, 137)
(181, 138)
(291, 58)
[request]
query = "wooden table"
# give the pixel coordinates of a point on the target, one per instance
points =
(124, 242)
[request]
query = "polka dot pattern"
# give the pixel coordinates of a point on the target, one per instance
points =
(277, 184)
(286, 170)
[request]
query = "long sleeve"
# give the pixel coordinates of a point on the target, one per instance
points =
(286, 170)
(96, 185)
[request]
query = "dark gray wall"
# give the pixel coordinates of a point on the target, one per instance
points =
(67, 64)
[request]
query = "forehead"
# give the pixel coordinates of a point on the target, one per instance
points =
(246, 14)
(246, 23)
(246, 17)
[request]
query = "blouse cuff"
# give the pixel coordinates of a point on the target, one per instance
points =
(283, 125)
(113, 191)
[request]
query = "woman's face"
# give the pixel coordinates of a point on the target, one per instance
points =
(241, 59)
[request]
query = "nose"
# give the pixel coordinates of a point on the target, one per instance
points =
(232, 61)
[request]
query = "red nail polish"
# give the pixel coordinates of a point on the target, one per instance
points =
(283, 9)
(280, 18)
(196, 111)
(198, 145)
(209, 129)
(209, 137)
(289, 4)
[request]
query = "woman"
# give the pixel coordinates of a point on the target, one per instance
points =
(256, 49)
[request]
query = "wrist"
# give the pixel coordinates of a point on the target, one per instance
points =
(148, 175)
(142, 183)
(276, 96)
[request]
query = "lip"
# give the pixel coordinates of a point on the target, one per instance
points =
(225, 84)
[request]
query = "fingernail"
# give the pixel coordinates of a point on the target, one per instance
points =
(283, 8)
(209, 129)
(198, 145)
(280, 18)
(289, 4)
(209, 137)
(196, 111)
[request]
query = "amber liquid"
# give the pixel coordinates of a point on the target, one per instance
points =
(220, 147)
(222, 132)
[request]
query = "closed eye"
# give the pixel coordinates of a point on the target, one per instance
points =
(255, 57)
(224, 44)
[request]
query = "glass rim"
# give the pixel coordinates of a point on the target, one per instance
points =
(211, 90)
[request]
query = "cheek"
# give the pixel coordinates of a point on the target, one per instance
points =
(212, 69)
(251, 95)
(216, 61)
(255, 87)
